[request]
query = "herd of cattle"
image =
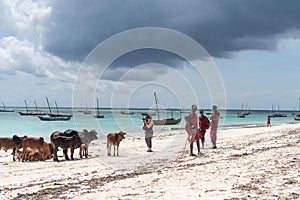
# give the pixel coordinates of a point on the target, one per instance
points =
(36, 149)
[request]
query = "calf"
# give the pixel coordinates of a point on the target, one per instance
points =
(83, 150)
(14, 143)
(33, 143)
(114, 139)
(65, 142)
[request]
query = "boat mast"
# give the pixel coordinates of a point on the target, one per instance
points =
(35, 105)
(98, 106)
(56, 107)
(4, 108)
(26, 106)
(156, 102)
(48, 105)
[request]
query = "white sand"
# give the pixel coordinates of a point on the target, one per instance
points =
(249, 163)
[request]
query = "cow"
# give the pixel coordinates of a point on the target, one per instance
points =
(14, 143)
(114, 139)
(65, 142)
(33, 143)
(34, 155)
(85, 136)
(83, 150)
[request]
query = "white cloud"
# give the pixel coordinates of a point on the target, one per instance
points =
(23, 56)
(23, 17)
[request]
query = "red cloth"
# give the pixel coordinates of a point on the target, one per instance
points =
(204, 124)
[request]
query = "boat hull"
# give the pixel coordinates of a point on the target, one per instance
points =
(170, 121)
(54, 118)
(297, 117)
(31, 113)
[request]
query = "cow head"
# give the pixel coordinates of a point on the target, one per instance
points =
(122, 135)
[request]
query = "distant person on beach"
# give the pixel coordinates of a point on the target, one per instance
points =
(148, 128)
(269, 121)
(215, 116)
(191, 128)
(204, 124)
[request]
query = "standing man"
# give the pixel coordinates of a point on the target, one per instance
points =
(204, 124)
(148, 127)
(215, 116)
(191, 128)
(269, 121)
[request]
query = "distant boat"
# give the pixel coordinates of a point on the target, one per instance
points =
(278, 114)
(4, 108)
(148, 113)
(87, 112)
(168, 121)
(44, 118)
(31, 112)
(57, 114)
(98, 114)
(297, 117)
(126, 112)
(243, 113)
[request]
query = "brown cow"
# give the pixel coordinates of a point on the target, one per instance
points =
(14, 143)
(83, 150)
(32, 143)
(34, 155)
(114, 139)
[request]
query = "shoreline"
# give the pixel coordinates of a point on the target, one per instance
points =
(257, 162)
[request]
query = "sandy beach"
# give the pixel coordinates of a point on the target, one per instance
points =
(250, 163)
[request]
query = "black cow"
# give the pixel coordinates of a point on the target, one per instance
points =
(66, 142)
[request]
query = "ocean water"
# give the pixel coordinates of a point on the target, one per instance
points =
(13, 123)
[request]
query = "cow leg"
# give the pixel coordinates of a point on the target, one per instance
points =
(41, 154)
(109, 150)
(24, 154)
(66, 154)
(87, 151)
(72, 152)
(14, 151)
(55, 154)
(117, 150)
(80, 152)
(114, 150)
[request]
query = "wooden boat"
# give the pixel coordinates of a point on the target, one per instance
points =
(297, 117)
(98, 114)
(241, 115)
(127, 112)
(87, 112)
(148, 113)
(57, 114)
(44, 118)
(4, 108)
(168, 121)
(277, 114)
(31, 112)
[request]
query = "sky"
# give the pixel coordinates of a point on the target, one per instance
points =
(253, 48)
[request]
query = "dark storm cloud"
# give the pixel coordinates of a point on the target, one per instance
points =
(221, 27)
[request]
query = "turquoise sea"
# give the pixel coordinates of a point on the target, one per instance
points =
(13, 123)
